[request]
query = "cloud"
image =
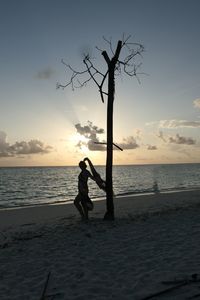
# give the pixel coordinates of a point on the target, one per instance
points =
(151, 147)
(95, 147)
(22, 147)
(138, 134)
(91, 132)
(179, 149)
(129, 143)
(180, 140)
(151, 123)
(47, 73)
(177, 139)
(196, 103)
(178, 123)
(170, 124)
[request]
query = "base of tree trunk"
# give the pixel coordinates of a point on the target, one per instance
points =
(109, 216)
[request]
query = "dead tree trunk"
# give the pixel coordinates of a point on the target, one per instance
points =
(109, 161)
(109, 215)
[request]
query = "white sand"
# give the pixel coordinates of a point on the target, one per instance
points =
(154, 238)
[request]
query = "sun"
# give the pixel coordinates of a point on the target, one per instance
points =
(81, 141)
(77, 137)
(84, 149)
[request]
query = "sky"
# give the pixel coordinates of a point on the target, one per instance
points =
(156, 118)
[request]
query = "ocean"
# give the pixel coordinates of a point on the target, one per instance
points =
(25, 186)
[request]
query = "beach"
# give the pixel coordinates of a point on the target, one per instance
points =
(152, 245)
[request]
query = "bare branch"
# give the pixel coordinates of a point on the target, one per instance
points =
(125, 40)
(102, 143)
(103, 80)
(102, 93)
(125, 64)
(117, 52)
(89, 70)
(74, 75)
(92, 76)
(82, 84)
(99, 49)
(128, 62)
(81, 78)
(109, 43)
(106, 57)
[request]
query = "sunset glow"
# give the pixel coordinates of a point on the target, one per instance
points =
(155, 121)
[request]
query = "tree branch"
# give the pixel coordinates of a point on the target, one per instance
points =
(91, 71)
(117, 52)
(105, 55)
(102, 143)
(125, 64)
(109, 43)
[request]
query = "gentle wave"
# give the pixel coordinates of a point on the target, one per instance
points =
(42, 185)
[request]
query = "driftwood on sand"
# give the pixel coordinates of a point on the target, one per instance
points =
(177, 284)
(45, 287)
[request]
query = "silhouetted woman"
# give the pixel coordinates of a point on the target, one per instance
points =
(82, 200)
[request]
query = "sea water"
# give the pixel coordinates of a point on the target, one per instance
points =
(24, 186)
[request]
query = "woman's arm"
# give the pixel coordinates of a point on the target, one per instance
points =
(91, 176)
(99, 181)
(94, 172)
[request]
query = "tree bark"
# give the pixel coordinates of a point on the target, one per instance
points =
(109, 215)
(109, 160)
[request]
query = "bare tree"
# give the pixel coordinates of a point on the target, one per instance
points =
(118, 62)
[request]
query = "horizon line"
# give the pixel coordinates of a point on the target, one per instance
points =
(101, 165)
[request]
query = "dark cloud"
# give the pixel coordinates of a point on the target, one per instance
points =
(45, 74)
(180, 140)
(151, 147)
(22, 147)
(128, 143)
(177, 139)
(91, 132)
(95, 147)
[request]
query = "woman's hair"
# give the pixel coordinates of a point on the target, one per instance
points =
(82, 165)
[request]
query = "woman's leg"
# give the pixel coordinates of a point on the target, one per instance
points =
(85, 209)
(79, 206)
